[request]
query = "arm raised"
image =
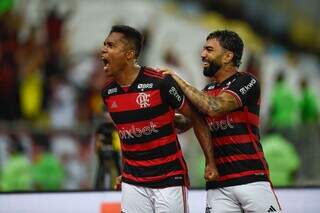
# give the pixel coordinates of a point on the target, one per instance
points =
(212, 106)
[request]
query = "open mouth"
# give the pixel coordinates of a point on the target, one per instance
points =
(105, 61)
(205, 63)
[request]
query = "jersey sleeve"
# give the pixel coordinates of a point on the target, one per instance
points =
(245, 89)
(172, 93)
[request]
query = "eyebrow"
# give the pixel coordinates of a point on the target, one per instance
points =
(108, 42)
(208, 47)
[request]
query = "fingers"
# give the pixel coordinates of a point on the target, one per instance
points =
(211, 173)
(165, 70)
(117, 185)
(211, 176)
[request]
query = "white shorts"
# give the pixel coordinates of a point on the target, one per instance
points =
(139, 199)
(252, 197)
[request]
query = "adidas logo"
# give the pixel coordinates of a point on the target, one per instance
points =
(272, 209)
(114, 105)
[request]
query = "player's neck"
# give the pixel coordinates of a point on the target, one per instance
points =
(224, 73)
(128, 75)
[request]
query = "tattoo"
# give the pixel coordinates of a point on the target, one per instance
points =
(207, 104)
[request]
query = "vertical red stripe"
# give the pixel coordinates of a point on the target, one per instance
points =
(184, 198)
(275, 195)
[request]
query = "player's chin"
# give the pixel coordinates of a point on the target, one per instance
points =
(108, 74)
(107, 70)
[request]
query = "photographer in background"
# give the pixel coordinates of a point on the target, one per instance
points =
(108, 155)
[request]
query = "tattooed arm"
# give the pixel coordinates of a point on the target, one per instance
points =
(209, 105)
(203, 135)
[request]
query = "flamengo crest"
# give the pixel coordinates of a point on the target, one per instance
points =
(143, 100)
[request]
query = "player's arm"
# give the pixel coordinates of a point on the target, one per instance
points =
(212, 106)
(181, 123)
(174, 97)
(203, 135)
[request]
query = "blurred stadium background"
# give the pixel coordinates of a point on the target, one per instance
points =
(51, 75)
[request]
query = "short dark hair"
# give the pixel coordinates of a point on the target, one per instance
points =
(231, 41)
(131, 34)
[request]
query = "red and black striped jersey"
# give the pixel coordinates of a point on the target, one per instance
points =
(238, 152)
(144, 117)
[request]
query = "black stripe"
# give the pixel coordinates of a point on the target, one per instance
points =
(234, 149)
(162, 131)
(162, 151)
(255, 130)
(152, 171)
(177, 180)
(139, 115)
(254, 110)
(239, 166)
(236, 181)
(259, 147)
(238, 129)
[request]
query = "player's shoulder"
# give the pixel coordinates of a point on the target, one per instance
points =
(246, 75)
(107, 84)
(209, 86)
(105, 91)
(153, 73)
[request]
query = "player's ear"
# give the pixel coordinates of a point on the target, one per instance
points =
(130, 54)
(227, 57)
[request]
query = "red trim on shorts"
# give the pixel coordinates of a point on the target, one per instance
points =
(271, 186)
(184, 199)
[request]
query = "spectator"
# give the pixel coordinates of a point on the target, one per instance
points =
(284, 105)
(16, 174)
(48, 171)
(282, 158)
(308, 104)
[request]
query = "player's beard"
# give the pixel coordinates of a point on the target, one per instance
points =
(212, 69)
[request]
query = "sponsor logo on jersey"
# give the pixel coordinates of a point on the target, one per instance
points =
(112, 90)
(143, 100)
(211, 87)
(221, 124)
(145, 86)
(134, 132)
(247, 87)
(173, 91)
